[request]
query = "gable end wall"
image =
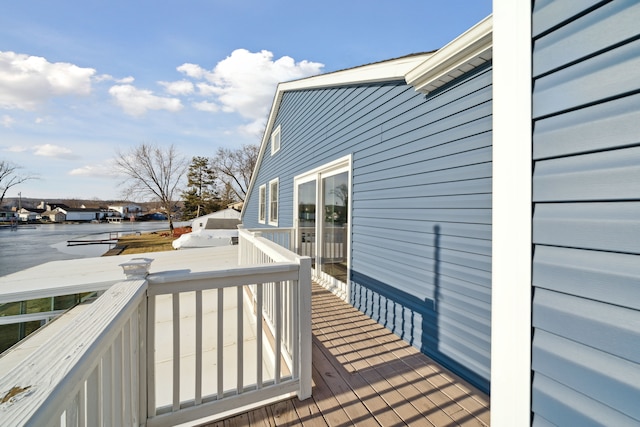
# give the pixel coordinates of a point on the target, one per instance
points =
(421, 205)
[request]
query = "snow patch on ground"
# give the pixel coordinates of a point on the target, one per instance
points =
(206, 238)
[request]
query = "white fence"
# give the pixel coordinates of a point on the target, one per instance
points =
(173, 348)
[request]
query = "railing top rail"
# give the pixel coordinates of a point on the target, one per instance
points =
(37, 388)
(165, 283)
(269, 230)
(275, 251)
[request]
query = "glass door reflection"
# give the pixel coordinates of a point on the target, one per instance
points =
(335, 209)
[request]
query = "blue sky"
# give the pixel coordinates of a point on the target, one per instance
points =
(80, 80)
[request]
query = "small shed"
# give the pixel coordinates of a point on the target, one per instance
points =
(226, 219)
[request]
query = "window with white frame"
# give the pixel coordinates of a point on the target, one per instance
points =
(262, 204)
(275, 140)
(273, 202)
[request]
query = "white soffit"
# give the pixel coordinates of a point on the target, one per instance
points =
(470, 50)
(393, 69)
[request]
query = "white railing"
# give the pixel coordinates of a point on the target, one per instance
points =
(231, 365)
(264, 246)
(174, 347)
(259, 247)
(89, 372)
(282, 237)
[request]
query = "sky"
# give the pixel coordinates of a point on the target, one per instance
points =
(81, 80)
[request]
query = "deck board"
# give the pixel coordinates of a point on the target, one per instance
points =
(365, 375)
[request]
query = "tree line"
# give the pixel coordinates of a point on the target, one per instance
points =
(152, 173)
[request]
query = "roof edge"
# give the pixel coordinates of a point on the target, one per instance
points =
(468, 51)
(393, 69)
(425, 72)
(389, 70)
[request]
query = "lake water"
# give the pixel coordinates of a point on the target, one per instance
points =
(29, 246)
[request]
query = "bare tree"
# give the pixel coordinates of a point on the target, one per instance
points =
(234, 168)
(10, 177)
(152, 173)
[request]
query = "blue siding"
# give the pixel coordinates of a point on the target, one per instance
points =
(421, 205)
(586, 221)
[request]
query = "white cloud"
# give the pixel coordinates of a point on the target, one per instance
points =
(181, 87)
(256, 127)
(207, 106)
(7, 121)
(100, 170)
(205, 89)
(126, 80)
(50, 150)
(192, 70)
(16, 149)
(110, 78)
(137, 102)
(28, 81)
(245, 82)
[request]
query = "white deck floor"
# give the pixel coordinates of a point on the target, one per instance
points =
(210, 328)
(80, 275)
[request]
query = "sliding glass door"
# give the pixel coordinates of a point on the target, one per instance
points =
(322, 221)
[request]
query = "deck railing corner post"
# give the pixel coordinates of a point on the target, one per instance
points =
(304, 294)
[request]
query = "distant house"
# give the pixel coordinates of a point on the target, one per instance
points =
(482, 202)
(53, 216)
(30, 215)
(127, 210)
(7, 215)
(78, 214)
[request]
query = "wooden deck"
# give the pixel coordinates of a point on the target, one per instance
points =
(365, 375)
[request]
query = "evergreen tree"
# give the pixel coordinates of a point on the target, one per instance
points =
(201, 196)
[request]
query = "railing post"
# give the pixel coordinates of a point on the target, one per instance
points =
(150, 354)
(292, 240)
(254, 251)
(142, 362)
(304, 329)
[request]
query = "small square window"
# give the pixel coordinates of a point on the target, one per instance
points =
(262, 204)
(273, 202)
(275, 141)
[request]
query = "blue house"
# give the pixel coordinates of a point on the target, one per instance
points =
(482, 202)
(389, 191)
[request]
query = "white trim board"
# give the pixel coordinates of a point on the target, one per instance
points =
(512, 221)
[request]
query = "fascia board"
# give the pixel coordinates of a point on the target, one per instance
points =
(394, 69)
(470, 50)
